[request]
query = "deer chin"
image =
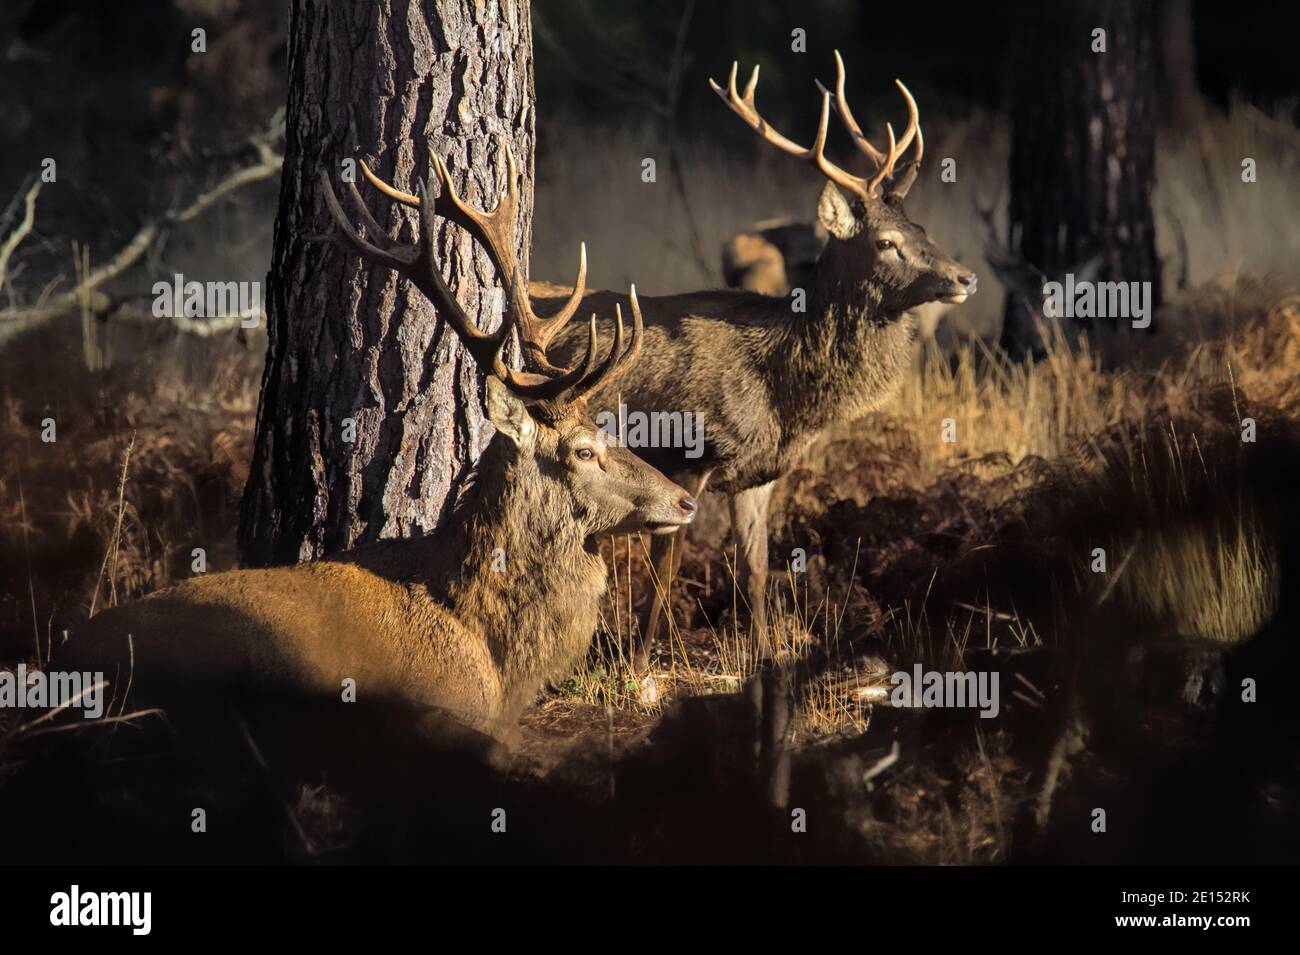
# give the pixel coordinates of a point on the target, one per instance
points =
(646, 527)
(666, 527)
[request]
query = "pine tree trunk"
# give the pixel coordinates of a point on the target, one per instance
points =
(1082, 150)
(1180, 98)
(383, 80)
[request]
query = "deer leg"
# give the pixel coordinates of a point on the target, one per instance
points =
(749, 524)
(666, 557)
(772, 688)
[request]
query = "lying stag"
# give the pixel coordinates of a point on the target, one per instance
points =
(474, 619)
(768, 379)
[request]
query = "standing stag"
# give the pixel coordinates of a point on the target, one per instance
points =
(472, 620)
(767, 379)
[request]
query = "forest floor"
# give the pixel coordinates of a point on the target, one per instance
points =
(891, 547)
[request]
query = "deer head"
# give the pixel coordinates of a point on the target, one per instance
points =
(546, 445)
(874, 247)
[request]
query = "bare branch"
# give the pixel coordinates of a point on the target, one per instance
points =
(85, 293)
(21, 232)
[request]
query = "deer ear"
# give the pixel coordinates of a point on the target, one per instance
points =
(834, 213)
(508, 413)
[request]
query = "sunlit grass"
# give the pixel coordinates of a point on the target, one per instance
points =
(1066, 427)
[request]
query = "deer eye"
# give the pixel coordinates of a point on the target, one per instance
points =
(585, 454)
(884, 245)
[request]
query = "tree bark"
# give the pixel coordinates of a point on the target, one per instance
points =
(1180, 98)
(381, 80)
(1082, 165)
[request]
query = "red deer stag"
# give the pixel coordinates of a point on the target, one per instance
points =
(475, 618)
(767, 379)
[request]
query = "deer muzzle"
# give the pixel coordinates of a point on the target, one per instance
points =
(682, 512)
(961, 286)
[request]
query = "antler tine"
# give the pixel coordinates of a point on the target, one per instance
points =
(388, 256)
(552, 384)
(856, 184)
(496, 231)
(418, 265)
(743, 106)
(487, 227)
(618, 360)
(887, 167)
(405, 198)
(485, 347)
(372, 226)
(885, 163)
(536, 333)
(846, 115)
(913, 120)
(901, 184)
(589, 383)
(638, 334)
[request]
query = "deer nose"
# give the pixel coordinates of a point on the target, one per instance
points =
(688, 505)
(968, 279)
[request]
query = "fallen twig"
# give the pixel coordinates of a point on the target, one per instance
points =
(882, 764)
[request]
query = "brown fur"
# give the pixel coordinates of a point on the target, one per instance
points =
(426, 620)
(769, 379)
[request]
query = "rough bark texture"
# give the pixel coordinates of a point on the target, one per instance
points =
(381, 80)
(1082, 148)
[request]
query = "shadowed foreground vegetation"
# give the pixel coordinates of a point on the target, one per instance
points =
(974, 553)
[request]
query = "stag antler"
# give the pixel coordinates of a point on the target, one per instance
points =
(495, 230)
(743, 106)
(884, 162)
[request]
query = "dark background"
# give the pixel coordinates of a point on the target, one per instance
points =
(113, 92)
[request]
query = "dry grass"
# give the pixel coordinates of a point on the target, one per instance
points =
(1146, 462)
(191, 411)
(1014, 425)
(919, 548)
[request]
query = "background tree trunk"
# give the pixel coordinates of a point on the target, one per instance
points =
(1180, 97)
(1082, 149)
(380, 80)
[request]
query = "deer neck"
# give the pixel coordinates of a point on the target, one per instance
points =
(847, 355)
(530, 581)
